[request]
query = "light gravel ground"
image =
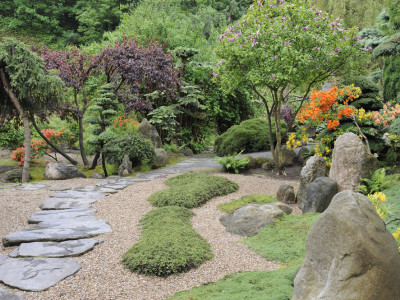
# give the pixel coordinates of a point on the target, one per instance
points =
(102, 275)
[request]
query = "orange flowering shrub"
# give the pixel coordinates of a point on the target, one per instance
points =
(128, 124)
(386, 115)
(330, 106)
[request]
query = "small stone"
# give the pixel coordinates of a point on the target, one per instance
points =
(285, 193)
(97, 176)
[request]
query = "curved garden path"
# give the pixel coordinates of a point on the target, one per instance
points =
(102, 275)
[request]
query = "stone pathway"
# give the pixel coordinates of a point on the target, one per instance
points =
(66, 226)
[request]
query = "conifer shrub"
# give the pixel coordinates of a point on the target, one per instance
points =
(192, 190)
(249, 136)
(168, 244)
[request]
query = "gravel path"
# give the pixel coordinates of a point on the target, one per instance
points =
(102, 275)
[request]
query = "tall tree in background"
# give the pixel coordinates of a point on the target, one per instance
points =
(25, 88)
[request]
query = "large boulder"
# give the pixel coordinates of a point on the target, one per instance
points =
(161, 158)
(314, 168)
(319, 195)
(349, 254)
(148, 131)
(351, 161)
(60, 171)
(9, 174)
(285, 193)
(301, 156)
(250, 219)
(289, 157)
(125, 167)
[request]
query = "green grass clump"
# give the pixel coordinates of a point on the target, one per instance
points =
(192, 190)
(230, 207)
(274, 285)
(393, 205)
(285, 240)
(168, 244)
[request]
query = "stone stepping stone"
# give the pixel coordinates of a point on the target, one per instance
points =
(59, 215)
(35, 274)
(89, 188)
(59, 188)
(76, 194)
(4, 295)
(66, 203)
(58, 231)
(152, 176)
(55, 249)
(32, 186)
(9, 186)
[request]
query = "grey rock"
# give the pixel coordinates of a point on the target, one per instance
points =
(55, 249)
(61, 171)
(266, 166)
(285, 193)
(314, 168)
(66, 203)
(57, 231)
(5, 168)
(58, 188)
(148, 131)
(4, 295)
(59, 215)
(97, 189)
(289, 157)
(250, 219)
(152, 176)
(301, 156)
(351, 161)
(78, 195)
(35, 274)
(350, 254)
(9, 186)
(32, 186)
(319, 195)
(12, 175)
(126, 166)
(161, 158)
(97, 176)
(186, 152)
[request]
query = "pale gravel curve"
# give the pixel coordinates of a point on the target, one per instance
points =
(102, 275)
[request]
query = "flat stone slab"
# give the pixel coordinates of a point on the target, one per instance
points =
(152, 176)
(58, 231)
(9, 186)
(35, 274)
(55, 249)
(58, 188)
(4, 295)
(59, 215)
(76, 194)
(32, 186)
(89, 188)
(66, 203)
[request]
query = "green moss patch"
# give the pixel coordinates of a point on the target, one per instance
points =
(230, 207)
(168, 244)
(393, 205)
(192, 190)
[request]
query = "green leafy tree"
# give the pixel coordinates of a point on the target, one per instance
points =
(103, 109)
(276, 46)
(25, 89)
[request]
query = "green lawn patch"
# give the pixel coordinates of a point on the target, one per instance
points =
(168, 244)
(192, 190)
(230, 207)
(393, 205)
(259, 285)
(285, 240)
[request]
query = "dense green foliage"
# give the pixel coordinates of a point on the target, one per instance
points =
(369, 99)
(10, 136)
(378, 182)
(393, 205)
(192, 190)
(391, 78)
(168, 244)
(248, 136)
(230, 207)
(139, 150)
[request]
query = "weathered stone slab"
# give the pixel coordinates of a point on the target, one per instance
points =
(152, 176)
(57, 231)
(58, 188)
(59, 215)
(77, 194)
(9, 186)
(4, 295)
(35, 274)
(89, 188)
(32, 186)
(55, 249)
(66, 203)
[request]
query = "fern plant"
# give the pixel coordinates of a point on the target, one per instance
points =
(233, 163)
(379, 181)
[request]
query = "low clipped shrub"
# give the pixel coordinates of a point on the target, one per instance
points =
(192, 190)
(139, 150)
(249, 136)
(230, 207)
(168, 244)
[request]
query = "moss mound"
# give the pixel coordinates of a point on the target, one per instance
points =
(168, 244)
(192, 190)
(250, 136)
(230, 207)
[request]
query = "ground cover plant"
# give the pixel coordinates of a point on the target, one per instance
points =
(192, 190)
(233, 163)
(168, 244)
(230, 207)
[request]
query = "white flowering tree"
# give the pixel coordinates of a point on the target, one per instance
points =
(279, 44)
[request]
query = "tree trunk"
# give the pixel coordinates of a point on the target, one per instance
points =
(81, 147)
(70, 159)
(95, 159)
(25, 121)
(103, 162)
